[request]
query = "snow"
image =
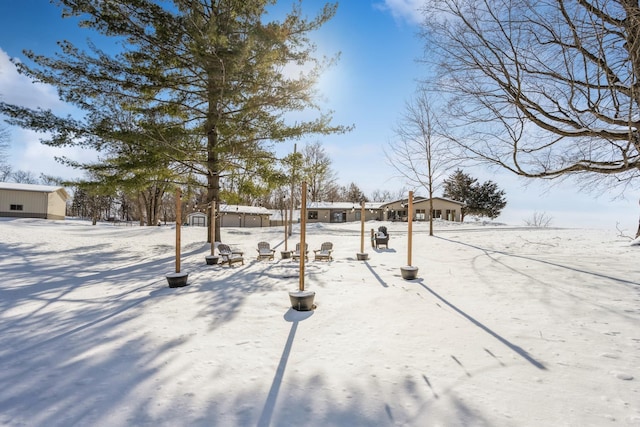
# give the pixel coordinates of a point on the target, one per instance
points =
(505, 326)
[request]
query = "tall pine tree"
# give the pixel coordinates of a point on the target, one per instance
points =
(215, 73)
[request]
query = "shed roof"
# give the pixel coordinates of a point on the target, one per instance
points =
(34, 187)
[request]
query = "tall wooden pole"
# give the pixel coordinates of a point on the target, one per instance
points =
(178, 222)
(362, 214)
(212, 223)
(410, 221)
(293, 182)
(303, 232)
(286, 232)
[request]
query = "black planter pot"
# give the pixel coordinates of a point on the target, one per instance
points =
(177, 280)
(409, 273)
(285, 254)
(211, 259)
(302, 300)
(362, 256)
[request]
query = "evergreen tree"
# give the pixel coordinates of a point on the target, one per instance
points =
(204, 81)
(479, 199)
(486, 200)
(459, 186)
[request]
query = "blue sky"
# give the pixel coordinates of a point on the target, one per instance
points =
(377, 73)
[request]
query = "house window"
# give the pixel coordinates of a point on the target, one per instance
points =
(437, 213)
(312, 215)
(17, 207)
(421, 214)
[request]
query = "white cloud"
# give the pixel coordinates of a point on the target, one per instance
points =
(18, 89)
(26, 153)
(404, 10)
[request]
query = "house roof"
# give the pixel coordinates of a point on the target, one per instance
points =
(252, 210)
(343, 205)
(35, 188)
(420, 199)
(277, 215)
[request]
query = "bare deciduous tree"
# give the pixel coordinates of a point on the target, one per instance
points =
(539, 219)
(24, 177)
(545, 89)
(5, 167)
(419, 152)
(317, 171)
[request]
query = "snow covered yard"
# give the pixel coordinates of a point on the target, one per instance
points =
(506, 326)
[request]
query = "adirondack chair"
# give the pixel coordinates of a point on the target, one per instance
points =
(265, 251)
(296, 254)
(382, 237)
(228, 256)
(324, 253)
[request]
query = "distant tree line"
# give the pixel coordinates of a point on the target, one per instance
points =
(157, 204)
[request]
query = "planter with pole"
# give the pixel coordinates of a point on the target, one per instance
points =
(362, 256)
(409, 272)
(178, 279)
(302, 300)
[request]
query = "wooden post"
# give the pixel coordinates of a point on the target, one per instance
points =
(410, 221)
(293, 181)
(212, 224)
(303, 232)
(178, 223)
(286, 232)
(362, 214)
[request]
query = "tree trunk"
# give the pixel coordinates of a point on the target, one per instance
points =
(430, 213)
(213, 168)
(141, 209)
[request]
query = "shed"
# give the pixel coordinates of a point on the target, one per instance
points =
(197, 219)
(243, 216)
(32, 201)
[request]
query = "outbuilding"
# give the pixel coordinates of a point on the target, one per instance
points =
(243, 216)
(32, 201)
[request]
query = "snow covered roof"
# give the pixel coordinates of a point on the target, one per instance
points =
(420, 199)
(33, 187)
(278, 215)
(253, 210)
(343, 205)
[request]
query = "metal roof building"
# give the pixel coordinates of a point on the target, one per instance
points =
(32, 201)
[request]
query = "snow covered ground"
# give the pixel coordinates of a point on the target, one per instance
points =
(505, 326)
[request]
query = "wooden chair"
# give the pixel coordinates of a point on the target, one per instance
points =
(296, 254)
(382, 238)
(228, 256)
(265, 251)
(324, 253)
